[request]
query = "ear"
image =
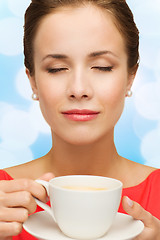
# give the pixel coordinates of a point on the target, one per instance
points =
(32, 82)
(131, 77)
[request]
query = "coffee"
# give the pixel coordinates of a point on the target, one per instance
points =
(84, 188)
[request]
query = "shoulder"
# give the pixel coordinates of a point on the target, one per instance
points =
(138, 173)
(146, 192)
(154, 178)
(27, 170)
(4, 175)
(145, 171)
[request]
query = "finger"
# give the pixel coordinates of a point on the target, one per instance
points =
(13, 215)
(47, 176)
(10, 229)
(19, 199)
(137, 212)
(146, 234)
(29, 185)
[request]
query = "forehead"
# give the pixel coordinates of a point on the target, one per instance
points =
(85, 26)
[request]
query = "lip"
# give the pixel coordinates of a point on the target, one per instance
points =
(80, 114)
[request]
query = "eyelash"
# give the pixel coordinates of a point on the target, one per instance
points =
(102, 69)
(56, 70)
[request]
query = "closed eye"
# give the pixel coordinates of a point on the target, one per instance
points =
(103, 69)
(56, 70)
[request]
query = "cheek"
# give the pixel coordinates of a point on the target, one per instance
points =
(113, 92)
(49, 91)
(116, 96)
(113, 97)
(113, 104)
(50, 98)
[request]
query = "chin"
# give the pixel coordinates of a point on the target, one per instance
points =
(82, 140)
(81, 137)
(81, 143)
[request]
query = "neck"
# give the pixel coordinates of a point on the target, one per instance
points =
(99, 158)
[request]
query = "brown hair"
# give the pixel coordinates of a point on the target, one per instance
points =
(119, 9)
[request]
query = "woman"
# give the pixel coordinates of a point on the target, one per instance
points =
(81, 58)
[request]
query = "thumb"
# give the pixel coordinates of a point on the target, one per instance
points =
(127, 204)
(47, 176)
(136, 211)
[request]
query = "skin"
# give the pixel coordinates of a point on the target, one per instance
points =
(81, 85)
(78, 84)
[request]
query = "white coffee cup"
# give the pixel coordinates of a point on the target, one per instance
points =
(84, 207)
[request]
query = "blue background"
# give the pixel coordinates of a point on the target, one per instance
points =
(24, 135)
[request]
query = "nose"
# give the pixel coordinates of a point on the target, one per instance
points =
(79, 86)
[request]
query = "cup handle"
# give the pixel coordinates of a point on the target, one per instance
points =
(45, 184)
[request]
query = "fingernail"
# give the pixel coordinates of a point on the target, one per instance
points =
(129, 201)
(47, 199)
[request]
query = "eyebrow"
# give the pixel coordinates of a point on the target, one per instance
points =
(100, 53)
(91, 55)
(56, 56)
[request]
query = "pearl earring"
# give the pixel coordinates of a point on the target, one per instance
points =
(129, 93)
(34, 96)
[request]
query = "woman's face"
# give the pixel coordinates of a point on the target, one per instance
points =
(81, 74)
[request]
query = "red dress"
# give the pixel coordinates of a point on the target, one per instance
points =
(147, 194)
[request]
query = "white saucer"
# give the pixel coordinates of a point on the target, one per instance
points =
(42, 226)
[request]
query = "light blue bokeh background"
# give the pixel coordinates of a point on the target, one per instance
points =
(24, 135)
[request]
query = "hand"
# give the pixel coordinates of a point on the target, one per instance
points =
(151, 224)
(17, 202)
